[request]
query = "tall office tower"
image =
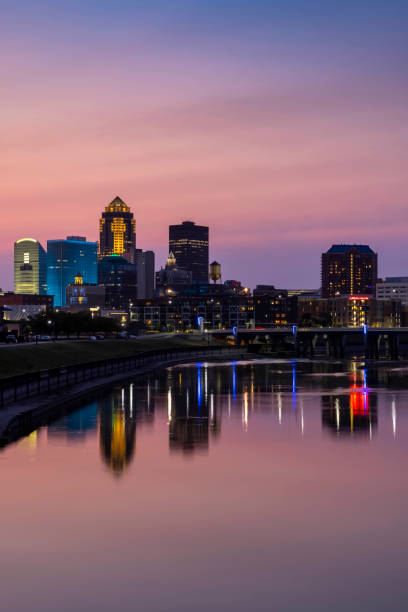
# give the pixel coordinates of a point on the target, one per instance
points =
(66, 259)
(117, 229)
(349, 269)
(118, 276)
(144, 261)
(30, 267)
(189, 244)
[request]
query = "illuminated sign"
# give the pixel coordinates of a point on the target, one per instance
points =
(359, 297)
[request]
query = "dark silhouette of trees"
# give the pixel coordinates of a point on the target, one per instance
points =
(70, 324)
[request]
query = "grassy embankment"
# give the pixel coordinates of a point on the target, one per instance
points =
(32, 358)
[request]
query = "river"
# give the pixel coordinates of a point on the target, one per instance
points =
(270, 485)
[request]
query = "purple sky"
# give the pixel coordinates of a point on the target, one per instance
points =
(283, 128)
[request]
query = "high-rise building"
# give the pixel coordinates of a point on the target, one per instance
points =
(349, 269)
(118, 276)
(30, 267)
(66, 259)
(189, 244)
(117, 231)
(144, 261)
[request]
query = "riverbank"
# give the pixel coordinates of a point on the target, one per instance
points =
(29, 358)
(21, 418)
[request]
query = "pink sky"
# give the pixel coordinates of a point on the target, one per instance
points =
(282, 140)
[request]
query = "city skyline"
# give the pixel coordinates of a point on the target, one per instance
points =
(281, 128)
(317, 285)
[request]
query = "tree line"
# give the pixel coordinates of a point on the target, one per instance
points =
(53, 323)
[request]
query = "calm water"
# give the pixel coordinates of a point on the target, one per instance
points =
(267, 486)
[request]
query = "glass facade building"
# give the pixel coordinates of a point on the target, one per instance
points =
(119, 279)
(189, 244)
(30, 267)
(66, 259)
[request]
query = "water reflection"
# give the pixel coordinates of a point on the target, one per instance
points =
(194, 400)
(191, 409)
(256, 470)
(77, 425)
(119, 414)
(355, 414)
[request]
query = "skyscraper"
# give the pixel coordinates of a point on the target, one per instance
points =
(349, 269)
(117, 231)
(66, 259)
(144, 261)
(118, 276)
(189, 244)
(30, 267)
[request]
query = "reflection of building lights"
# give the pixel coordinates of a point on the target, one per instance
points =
(169, 405)
(245, 411)
(131, 399)
(394, 417)
(212, 406)
(118, 440)
(199, 384)
(280, 408)
(123, 399)
(234, 382)
(30, 441)
(337, 403)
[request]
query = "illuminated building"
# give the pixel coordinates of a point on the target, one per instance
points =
(83, 295)
(172, 279)
(118, 277)
(273, 307)
(189, 244)
(30, 267)
(349, 269)
(66, 259)
(182, 312)
(117, 231)
(359, 310)
(349, 311)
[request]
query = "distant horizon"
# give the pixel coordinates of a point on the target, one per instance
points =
(282, 126)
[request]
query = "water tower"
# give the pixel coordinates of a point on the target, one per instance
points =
(215, 271)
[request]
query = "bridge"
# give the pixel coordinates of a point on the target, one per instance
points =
(338, 342)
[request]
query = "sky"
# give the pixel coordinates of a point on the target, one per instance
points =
(281, 124)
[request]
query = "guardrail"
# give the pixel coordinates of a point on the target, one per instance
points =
(25, 386)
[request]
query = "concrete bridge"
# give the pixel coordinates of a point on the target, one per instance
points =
(370, 342)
